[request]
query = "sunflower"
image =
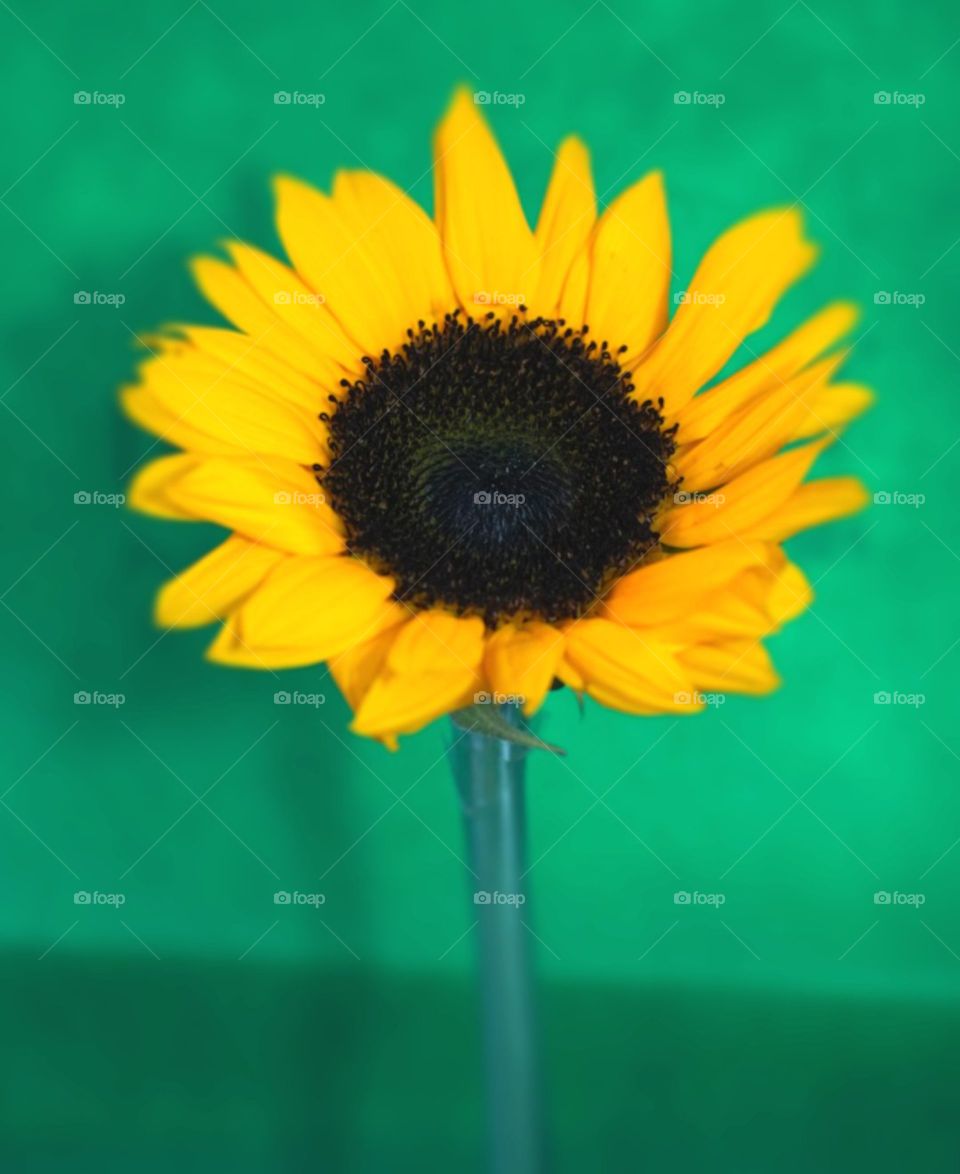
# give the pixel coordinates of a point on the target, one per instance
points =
(461, 459)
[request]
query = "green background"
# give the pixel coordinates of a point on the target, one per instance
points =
(797, 1027)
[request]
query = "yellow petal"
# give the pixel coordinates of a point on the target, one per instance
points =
(212, 587)
(355, 669)
(628, 661)
(209, 350)
(810, 505)
(755, 603)
(229, 648)
(732, 294)
(628, 703)
(700, 416)
(267, 500)
(733, 666)
(630, 269)
(573, 298)
(339, 262)
(570, 676)
(739, 506)
(489, 248)
(758, 430)
(322, 604)
(221, 413)
(150, 413)
(830, 406)
(430, 668)
(565, 225)
(301, 310)
(404, 703)
(148, 490)
(234, 297)
(521, 662)
(785, 592)
(728, 616)
(664, 591)
(436, 641)
(402, 238)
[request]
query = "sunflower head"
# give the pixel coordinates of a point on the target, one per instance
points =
(460, 458)
(498, 468)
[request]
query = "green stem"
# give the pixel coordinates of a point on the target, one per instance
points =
(489, 773)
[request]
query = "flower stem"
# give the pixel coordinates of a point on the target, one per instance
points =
(489, 773)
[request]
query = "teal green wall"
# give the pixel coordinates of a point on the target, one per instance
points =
(199, 990)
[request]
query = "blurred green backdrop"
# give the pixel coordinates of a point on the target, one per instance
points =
(799, 1026)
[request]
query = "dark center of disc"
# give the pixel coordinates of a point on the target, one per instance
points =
(500, 470)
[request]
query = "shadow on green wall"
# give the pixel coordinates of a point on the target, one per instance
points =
(115, 1065)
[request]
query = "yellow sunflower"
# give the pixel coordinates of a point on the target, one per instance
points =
(461, 457)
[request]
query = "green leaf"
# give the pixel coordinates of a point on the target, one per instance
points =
(495, 723)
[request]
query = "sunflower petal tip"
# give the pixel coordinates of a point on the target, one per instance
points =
(574, 145)
(463, 92)
(286, 186)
